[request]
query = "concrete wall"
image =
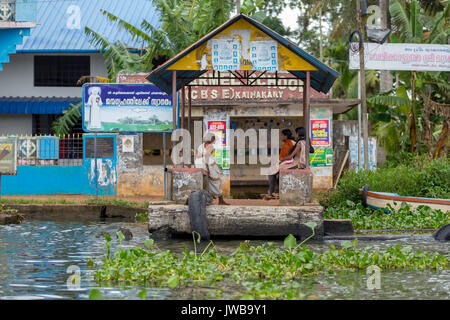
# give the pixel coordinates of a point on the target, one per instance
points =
(17, 77)
(16, 123)
(46, 180)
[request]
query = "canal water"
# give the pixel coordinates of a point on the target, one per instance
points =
(38, 257)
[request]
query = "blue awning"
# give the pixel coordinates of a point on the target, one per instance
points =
(36, 105)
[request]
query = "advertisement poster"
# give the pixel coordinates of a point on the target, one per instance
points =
(264, 55)
(322, 157)
(320, 133)
(226, 54)
(221, 152)
(128, 144)
(8, 155)
(126, 108)
(353, 145)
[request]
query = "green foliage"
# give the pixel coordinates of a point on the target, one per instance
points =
(258, 272)
(64, 123)
(95, 295)
(421, 177)
(141, 217)
(404, 218)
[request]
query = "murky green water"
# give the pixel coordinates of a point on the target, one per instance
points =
(35, 257)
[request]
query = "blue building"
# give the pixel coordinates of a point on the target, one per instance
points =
(43, 53)
(39, 69)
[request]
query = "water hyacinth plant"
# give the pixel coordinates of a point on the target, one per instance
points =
(422, 217)
(258, 272)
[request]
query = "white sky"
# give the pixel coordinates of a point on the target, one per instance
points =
(289, 17)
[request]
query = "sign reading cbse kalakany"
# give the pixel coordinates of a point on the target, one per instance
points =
(403, 56)
(126, 108)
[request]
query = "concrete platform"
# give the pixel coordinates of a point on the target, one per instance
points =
(232, 221)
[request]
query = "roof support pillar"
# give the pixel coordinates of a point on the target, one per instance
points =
(174, 98)
(306, 113)
(183, 103)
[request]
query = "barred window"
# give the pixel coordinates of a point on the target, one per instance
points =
(60, 71)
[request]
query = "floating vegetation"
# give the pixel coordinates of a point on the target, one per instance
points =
(404, 218)
(260, 272)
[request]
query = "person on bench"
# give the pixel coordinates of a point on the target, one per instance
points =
(295, 159)
(288, 142)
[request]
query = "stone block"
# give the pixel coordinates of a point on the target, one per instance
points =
(295, 187)
(185, 181)
(166, 221)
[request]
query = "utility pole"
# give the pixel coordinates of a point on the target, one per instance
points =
(238, 6)
(362, 88)
(386, 79)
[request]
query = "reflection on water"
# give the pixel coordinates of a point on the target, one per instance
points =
(35, 255)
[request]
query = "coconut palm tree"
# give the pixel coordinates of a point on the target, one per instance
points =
(410, 25)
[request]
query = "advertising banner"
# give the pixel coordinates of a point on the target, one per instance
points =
(126, 108)
(320, 133)
(403, 56)
(221, 152)
(8, 155)
(322, 157)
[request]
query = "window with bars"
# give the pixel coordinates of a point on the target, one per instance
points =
(60, 71)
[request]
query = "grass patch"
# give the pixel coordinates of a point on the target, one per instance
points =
(103, 202)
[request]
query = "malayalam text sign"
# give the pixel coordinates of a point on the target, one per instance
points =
(403, 56)
(320, 132)
(126, 108)
(8, 155)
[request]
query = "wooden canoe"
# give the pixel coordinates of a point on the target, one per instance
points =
(380, 200)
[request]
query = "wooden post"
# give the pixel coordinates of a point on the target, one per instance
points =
(189, 108)
(174, 98)
(183, 98)
(306, 115)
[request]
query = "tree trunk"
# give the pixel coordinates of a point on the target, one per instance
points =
(443, 139)
(386, 79)
(427, 127)
(412, 118)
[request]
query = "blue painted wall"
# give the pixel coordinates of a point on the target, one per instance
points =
(46, 180)
(33, 180)
(9, 39)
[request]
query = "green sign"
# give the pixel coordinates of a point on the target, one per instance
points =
(321, 157)
(8, 155)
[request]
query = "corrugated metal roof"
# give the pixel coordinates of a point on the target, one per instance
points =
(47, 105)
(61, 23)
(321, 80)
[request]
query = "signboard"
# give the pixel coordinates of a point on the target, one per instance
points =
(221, 152)
(105, 147)
(403, 56)
(322, 157)
(8, 155)
(126, 108)
(267, 90)
(241, 46)
(320, 132)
